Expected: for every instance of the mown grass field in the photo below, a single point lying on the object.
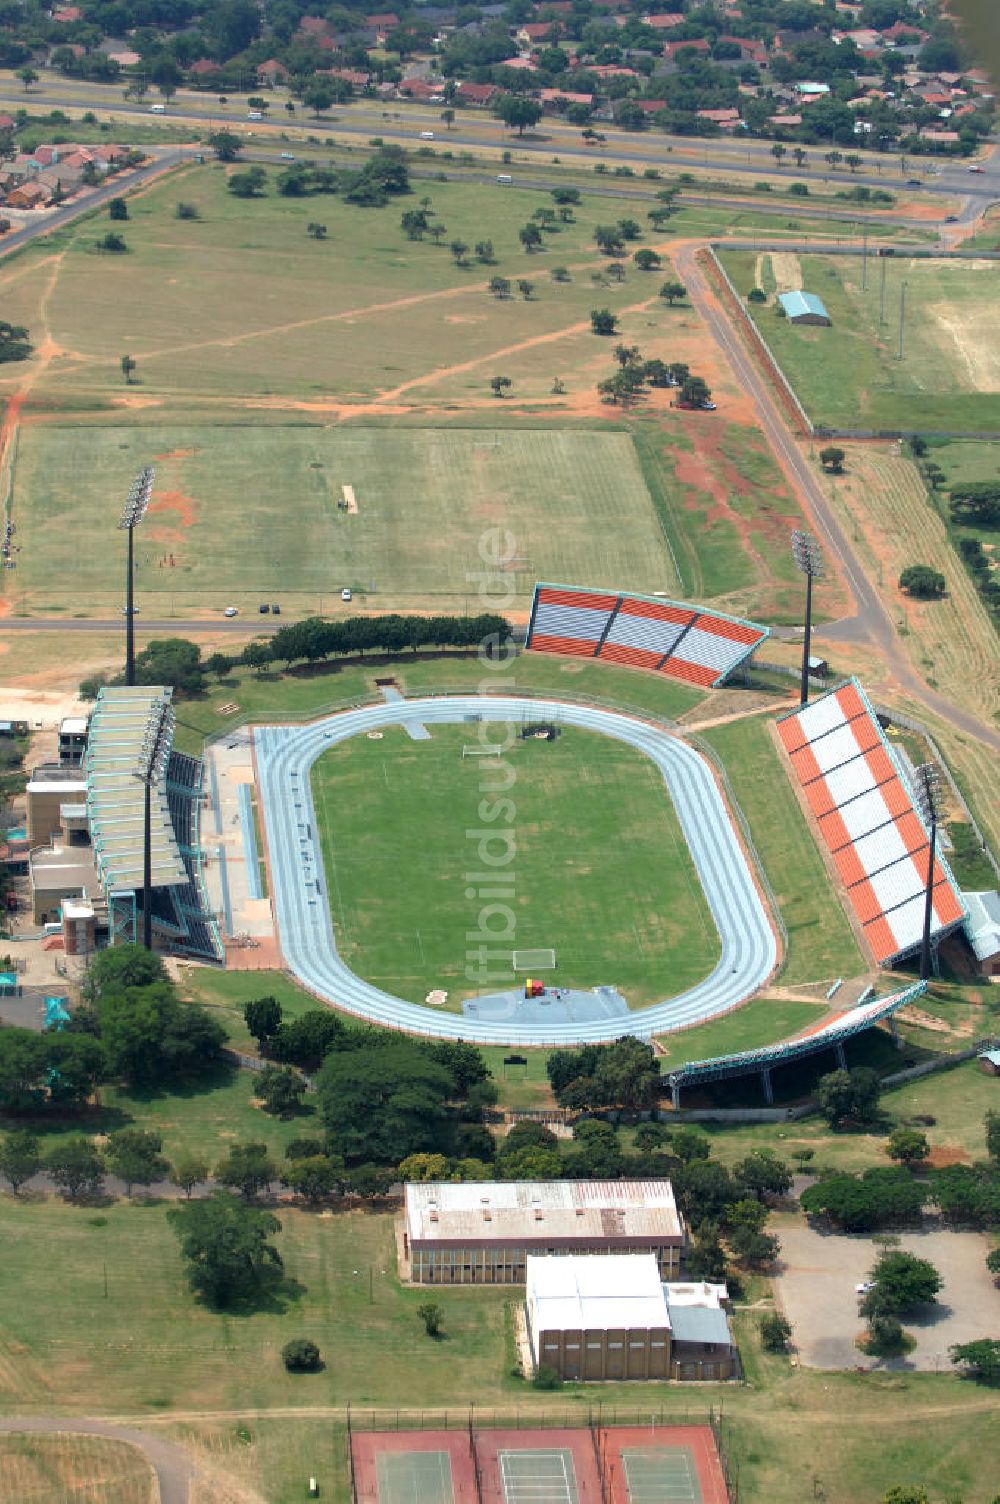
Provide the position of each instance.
(821, 944)
(69, 1468)
(601, 871)
(251, 513)
(848, 375)
(305, 693)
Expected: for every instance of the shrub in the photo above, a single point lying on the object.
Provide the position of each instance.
(301, 1356)
(546, 1377)
(775, 1332)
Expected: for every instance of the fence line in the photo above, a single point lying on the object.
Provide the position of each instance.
(498, 1418)
(761, 345)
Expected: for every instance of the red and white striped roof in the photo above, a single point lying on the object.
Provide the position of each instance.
(684, 641)
(865, 815)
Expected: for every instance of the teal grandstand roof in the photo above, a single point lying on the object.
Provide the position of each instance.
(115, 795)
(796, 304)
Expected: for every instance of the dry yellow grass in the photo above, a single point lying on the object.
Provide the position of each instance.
(952, 642)
(67, 1468)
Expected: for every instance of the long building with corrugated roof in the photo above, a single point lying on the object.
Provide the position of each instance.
(481, 1233)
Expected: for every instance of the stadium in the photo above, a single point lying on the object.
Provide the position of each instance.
(854, 792)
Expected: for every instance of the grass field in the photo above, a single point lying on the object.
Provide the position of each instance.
(305, 693)
(69, 1468)
(848, 375)
(821, 944)
(251, 513)
(148, 1348)
(602, 872)
(247, 304)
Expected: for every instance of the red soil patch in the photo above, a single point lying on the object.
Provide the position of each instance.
(174, 501)
(943, 1155)
(707, 470)
(176, 454)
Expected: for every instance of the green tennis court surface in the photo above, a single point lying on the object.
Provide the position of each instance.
(661, 1475)
(546, 1477)
(414, 1478)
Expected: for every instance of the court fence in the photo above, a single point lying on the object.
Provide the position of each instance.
(596, 1415)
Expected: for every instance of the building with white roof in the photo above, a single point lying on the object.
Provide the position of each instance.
(483, 1232)
(982, 928)
(598, 1318)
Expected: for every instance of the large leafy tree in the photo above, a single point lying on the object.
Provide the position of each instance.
(133, 1154)
(385, 1104)
(226, 1246)
(147, 1033)
(248, 1168)
(901, 1282)
(20, 1158)
(14, 343)
(77, 1167)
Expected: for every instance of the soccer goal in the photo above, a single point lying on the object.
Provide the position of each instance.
(534, 960)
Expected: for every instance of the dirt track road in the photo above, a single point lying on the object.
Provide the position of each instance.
(871, 622)
(174, 1471)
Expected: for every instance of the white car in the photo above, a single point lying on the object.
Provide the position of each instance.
(288, 156)
(427, 135)
(231, 611)
(345, 594)
(864, 1287)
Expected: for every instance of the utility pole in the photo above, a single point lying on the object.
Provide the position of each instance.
(809, 560)
(928, 804)
(902, 317)
(133, 511)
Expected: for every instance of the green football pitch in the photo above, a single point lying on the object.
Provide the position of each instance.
(242, 514)
(601, 871)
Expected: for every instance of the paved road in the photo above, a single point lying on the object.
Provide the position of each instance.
(478, 129)
(173, 626)
(163, 161)
(173, 1468)
(285, 755)
(871, 622)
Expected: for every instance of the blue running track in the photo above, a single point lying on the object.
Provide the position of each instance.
(285, 755)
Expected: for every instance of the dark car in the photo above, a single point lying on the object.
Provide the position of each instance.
(275, 609)
(914, 183)
(263, 608)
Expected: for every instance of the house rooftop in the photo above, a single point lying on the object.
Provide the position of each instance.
(554, 1212)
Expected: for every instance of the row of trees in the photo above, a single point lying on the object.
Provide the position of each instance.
(316, 638)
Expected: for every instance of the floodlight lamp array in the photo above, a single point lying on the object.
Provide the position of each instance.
(807, 554)
(155, 750)
(137, 500)
(928, 792)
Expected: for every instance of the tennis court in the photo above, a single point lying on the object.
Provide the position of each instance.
(659, 1464)
(538, 1477)
(414, 1478)
(660, 1475)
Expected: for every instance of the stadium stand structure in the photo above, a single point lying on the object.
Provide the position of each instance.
(831, 1034)
(671, 637)
(860, 796)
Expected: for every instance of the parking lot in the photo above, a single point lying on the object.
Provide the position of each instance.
(816, 1290)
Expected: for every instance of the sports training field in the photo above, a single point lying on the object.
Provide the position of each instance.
(242, 514)
(602, 873)
(849, 375)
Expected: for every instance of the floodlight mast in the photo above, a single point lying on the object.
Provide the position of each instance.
(808, 559)
(149, 770)
(133, 511)
(928, 801)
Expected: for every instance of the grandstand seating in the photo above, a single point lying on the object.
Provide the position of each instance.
(683, 641)
(196, 931)
(865, 814)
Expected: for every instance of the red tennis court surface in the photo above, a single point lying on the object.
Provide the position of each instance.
(613, 1465)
